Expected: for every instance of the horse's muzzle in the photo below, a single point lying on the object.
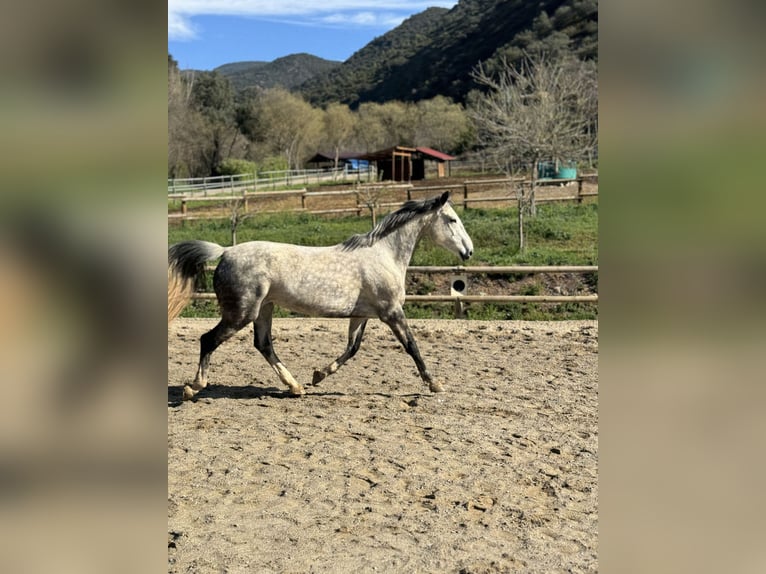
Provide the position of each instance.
(466, 255)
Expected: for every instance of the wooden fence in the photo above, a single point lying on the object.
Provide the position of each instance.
(467, 193)
(460, 300)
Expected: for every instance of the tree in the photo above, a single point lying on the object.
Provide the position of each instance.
(201, 128)
(540, 109)
(238, 214)
(386, 125)
(338, 128)
(441, 124)
(369, 133)
(213, 98)
(184, 124)
(282, 123)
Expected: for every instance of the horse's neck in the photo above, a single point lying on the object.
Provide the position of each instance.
(403, 241)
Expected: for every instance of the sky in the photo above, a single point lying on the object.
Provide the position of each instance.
(204, 34)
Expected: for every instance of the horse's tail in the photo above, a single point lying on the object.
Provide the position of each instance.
(186, 262)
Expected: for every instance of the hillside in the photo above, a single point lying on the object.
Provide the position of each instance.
(434, 52)
(371, 66)
(431, 53)
(288, 71)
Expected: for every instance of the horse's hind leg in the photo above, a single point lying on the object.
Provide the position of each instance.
(209, 342)
(398, 324)
(264, 344)
(355, 334)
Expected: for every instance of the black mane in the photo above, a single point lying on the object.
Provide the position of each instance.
(406, 213)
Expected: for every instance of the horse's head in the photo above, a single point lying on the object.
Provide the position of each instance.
(446, 230)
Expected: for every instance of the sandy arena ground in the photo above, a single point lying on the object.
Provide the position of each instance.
(370, 472)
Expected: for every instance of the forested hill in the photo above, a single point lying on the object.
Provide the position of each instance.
(434, 52)
(371, 66)
(288, 72)
(431, 53)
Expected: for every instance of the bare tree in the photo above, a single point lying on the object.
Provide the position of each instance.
(238, 214)
(370, 196)
(338, 127)
(540, 109)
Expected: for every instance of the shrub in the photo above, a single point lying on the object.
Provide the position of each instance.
(233, 166)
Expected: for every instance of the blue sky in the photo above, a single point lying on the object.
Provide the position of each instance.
(204, 34)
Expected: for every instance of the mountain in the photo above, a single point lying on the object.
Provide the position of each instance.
(431, 53)
(434, 52)
(372, 65)
(289, 72)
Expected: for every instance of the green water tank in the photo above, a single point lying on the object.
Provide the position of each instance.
(568, 172)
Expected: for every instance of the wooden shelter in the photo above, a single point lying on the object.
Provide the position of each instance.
(325, 159)
(401, 163)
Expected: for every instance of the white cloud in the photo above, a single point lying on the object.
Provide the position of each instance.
(180, 28)
(346, 13)
(383, 19)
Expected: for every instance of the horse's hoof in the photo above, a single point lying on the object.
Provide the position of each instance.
(436, 387)
(188, 393)
(319, 376)
(297, 391)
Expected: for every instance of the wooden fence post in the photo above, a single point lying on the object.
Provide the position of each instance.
(521, 219)
(465, 195)
(579, 190)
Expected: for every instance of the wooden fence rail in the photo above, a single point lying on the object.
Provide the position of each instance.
(366, 203)
(459, 300)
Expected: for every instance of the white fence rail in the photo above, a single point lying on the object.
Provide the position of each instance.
(209, 186)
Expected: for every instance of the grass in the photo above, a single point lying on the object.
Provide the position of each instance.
(561, 234)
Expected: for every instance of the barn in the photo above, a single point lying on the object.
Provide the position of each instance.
(326, 159)
(401, 163)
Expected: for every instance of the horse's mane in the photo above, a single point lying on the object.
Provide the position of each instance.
(393, 221)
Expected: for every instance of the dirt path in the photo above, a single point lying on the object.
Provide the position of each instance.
(372, 473)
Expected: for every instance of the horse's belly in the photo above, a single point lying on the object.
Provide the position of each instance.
(324, 299)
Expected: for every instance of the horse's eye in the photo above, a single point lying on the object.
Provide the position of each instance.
(452, 220)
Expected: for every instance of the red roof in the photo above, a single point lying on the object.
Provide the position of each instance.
(386, 154)
(435, 154)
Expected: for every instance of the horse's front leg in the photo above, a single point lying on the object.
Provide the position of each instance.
(355, 333)
(398, 324)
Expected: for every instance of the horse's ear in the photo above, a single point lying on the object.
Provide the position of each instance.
(444, 198)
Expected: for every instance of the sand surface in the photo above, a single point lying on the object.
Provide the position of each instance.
(370, 472)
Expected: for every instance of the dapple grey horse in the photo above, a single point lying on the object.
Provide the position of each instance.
(361, 278)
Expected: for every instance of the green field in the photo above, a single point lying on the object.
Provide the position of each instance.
(561, 234)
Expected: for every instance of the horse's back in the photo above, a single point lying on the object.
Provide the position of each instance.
(322, 281)
(256, 261)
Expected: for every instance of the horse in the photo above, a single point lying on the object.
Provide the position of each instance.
(360, 278)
